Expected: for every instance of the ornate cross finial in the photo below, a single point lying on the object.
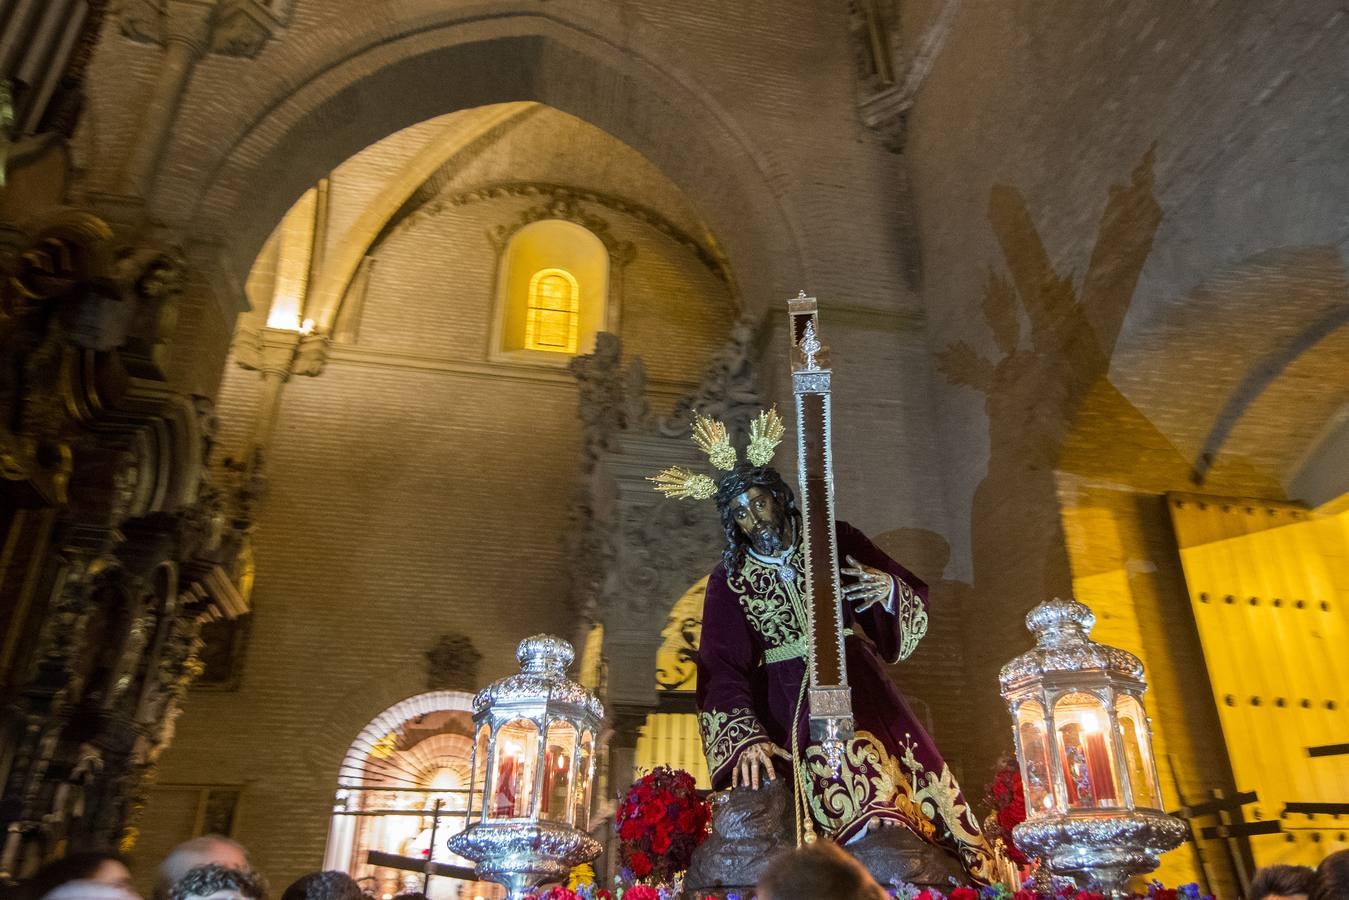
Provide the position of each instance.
(810, 345)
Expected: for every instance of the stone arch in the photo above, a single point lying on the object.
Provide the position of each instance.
(350, 96)
(394, 717)
(370, 763)
(1259, 345)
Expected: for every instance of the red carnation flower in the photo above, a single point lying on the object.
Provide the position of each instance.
(963, 893)
(630, 830)
(640, 863)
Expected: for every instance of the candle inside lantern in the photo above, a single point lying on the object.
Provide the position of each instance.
(1099, 769)
(1087, 768)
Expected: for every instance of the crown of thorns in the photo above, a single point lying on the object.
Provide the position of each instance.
(712, 437)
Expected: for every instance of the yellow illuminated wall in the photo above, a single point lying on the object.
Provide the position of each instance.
(554, 292)
(671, 738)
(1107, 541)
(1269, 587)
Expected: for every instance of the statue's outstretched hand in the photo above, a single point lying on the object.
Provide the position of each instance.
(872, 586)
(755, 766)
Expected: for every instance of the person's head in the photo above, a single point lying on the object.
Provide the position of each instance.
(209, 849)
(757, 510)
(216, 882)
(330, 885)
(1332, 877)
(1278, 882)
(818, 871)
(89, 868)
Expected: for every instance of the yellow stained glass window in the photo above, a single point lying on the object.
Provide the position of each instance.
(553, 316)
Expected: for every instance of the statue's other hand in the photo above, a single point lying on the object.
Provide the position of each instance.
(871, 586)
(754, 766)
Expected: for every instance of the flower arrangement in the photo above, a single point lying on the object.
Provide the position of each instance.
(660, 822)
(1062, 891)
(1008, 800)
(900, 891)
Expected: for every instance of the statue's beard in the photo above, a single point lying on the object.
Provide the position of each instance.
(767, 539)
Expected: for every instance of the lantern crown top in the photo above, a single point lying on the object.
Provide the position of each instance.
(540, 684)
(1059, 622)
(545, 654)
(1064, 650)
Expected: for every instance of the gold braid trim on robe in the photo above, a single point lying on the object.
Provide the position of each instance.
(873, 785)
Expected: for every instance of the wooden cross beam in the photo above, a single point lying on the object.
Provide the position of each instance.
(829, 698)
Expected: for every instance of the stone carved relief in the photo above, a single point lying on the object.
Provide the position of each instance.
(612, 398)
(452, 663)
(666, 547)
(633, 554)
(729, 390)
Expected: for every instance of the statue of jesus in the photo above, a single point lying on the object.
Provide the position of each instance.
(752, 666)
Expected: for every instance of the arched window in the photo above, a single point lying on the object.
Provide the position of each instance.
(552, 320)
(553, 293)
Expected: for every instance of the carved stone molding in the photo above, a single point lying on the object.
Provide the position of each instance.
(281, 352)
(887, 78)
(566, 207)
(562, 201)
(237, 28)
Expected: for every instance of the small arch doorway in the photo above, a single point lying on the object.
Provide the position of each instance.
(403, 790)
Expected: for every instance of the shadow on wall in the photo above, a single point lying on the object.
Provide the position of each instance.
(933, 679)
(1031, 396)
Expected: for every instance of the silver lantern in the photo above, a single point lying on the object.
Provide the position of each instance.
(1093, 807)
(533, 767)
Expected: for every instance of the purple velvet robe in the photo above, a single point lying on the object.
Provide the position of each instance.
(751, 669)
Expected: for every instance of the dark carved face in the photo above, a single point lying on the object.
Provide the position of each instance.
(761, 520)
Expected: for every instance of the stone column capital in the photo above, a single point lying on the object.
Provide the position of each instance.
(281, 352)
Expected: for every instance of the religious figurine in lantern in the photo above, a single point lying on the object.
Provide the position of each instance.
(1093, 807)
(533, 766)
(752, 662)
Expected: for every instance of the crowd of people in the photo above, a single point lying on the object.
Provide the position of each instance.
(204, 868)
(217, 868)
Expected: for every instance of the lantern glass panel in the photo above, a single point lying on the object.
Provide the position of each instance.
(517, 749)
(480, 762)
(1133, 727)
(559, 755)
(1086, 752)
(1037, 778)
(581, 792)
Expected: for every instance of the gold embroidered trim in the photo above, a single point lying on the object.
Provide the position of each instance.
(775, 609)
(726, 734)
(873, 784)
(912, 620)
